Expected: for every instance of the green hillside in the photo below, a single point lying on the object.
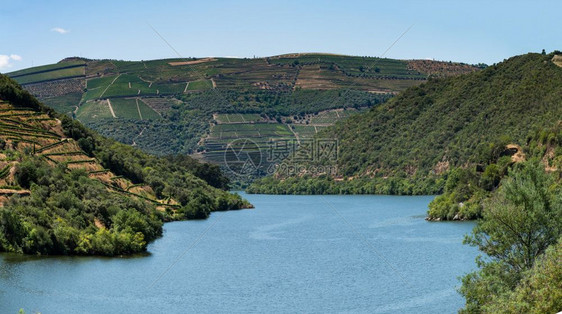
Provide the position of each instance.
(64, 70)
(67, 190)
(169, 106)
(412, 143)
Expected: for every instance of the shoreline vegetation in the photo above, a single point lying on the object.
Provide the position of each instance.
(520, 236)
(84, 194)
(456, 137)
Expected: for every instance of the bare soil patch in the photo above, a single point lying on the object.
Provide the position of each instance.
(557, 59)
(177, 63)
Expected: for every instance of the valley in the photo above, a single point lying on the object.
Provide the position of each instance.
(178, 106)
(280, 157)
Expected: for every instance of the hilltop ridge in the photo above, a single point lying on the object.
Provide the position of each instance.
(187, 105)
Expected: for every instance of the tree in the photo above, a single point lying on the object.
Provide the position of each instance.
(26, 173)
(199, 206)
(520, 221)
(540, 291)
(491, 177)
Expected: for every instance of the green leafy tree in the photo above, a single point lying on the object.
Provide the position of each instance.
(519, 223)
(199, 206)
(540, 291)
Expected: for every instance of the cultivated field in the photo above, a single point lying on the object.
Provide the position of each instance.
(201, 105)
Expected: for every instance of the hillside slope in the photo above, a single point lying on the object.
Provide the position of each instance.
(199, 106)
(409, 144)
(66, 190)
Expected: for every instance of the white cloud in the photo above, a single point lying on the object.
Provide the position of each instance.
(59, 30)
(5, 60)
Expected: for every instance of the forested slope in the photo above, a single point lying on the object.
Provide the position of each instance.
(67, 190)
(410, 144)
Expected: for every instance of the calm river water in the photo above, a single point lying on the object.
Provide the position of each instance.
(305, 254)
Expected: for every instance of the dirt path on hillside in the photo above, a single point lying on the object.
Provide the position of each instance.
(185, 89)
(295, 134)
(214, 84)
(138, 109)
(105, 90)
(111, 108)
(11, 192)
(139, 135)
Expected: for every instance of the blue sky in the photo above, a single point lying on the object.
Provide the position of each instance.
(42, 32)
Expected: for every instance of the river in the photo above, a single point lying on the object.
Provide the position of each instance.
(306, 254)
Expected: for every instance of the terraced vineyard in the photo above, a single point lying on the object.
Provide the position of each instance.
(35, 133)
(128, 108)
(111, 78)
(267, 139)
(199, 106)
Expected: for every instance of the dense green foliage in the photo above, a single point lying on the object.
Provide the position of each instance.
(440, 125)
(307, 185)
(520, 221)
(539, 291)
(466, 188)
(68, 212)
(12, 92)
(277, 104)
(59, 216)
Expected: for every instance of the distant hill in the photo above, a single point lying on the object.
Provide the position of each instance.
(199, 106)
(414, 142)
(67, 190)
